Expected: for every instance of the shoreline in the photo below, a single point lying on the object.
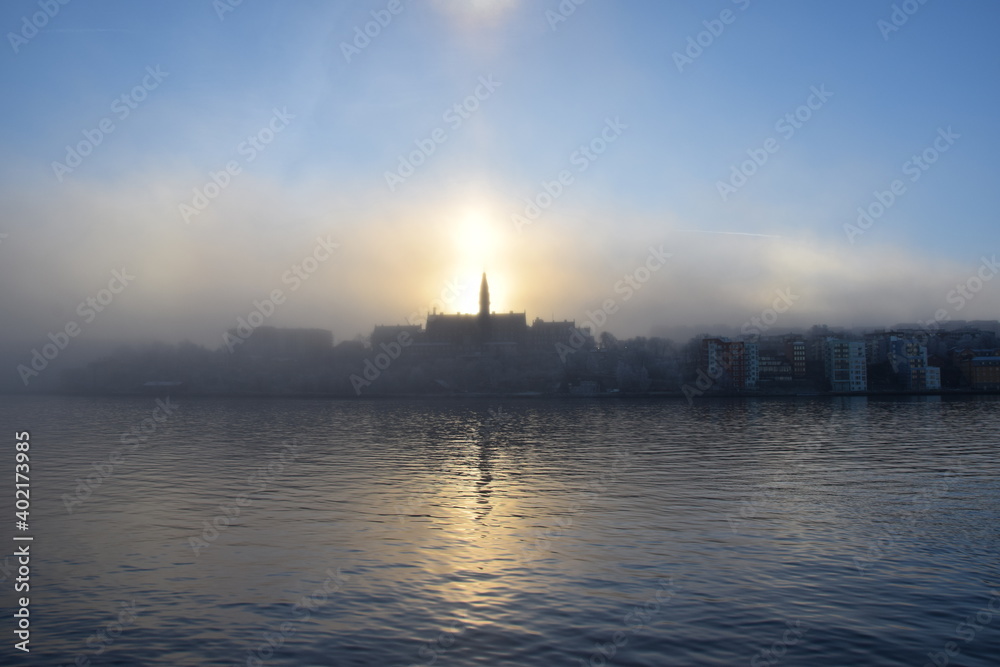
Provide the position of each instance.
(959, 393)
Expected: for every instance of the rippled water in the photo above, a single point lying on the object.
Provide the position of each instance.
(532, 532)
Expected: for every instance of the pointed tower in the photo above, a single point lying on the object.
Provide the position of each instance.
(484, 310)
(484, 297)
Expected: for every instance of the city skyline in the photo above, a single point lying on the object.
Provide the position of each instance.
(364, 176)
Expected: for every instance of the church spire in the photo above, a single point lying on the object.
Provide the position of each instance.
(484, 298)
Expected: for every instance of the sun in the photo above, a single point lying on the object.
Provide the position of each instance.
(478, 247)
(475, 236)
(477, 11)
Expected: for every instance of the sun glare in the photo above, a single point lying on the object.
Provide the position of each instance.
(476, 10)
(478, 248)
(475, 237)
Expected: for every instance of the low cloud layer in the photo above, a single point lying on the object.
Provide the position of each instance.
(193, 280)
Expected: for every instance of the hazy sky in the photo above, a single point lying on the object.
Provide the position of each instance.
(117, 113)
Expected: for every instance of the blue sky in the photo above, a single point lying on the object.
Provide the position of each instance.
(658, 182)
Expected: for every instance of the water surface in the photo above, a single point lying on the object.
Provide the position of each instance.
(531, 532)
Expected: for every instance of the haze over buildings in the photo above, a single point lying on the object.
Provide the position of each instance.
(797, 149)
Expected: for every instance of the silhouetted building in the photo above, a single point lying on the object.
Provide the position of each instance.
(774, 368)
(973, 364)
(846, 369)
(734, 364)
(932, 376)
(908, 358)
(877, 346)
(484, 311)
(795, 352)
(985, 373)
(469, 333)
(388, 334)
(274, 343)
(483, 351)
